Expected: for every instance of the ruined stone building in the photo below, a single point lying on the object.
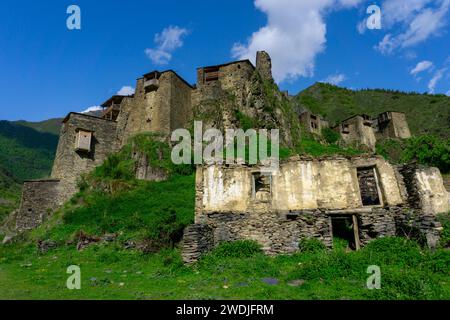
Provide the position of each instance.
(313, 123)
(361, 130)
(358, 130)
(305, 198)
(310, 198)
(391, 124)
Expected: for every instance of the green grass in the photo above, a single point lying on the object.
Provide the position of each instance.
(145, 211)
(110, 272)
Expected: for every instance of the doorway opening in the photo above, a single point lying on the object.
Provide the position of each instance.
(345, 232)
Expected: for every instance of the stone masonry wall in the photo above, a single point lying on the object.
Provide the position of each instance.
(39, 200)
(305, 194)
(69, 164)
(160, 111)
(359, 133)
(396, 127)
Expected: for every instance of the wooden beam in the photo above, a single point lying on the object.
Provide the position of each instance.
(356, 232)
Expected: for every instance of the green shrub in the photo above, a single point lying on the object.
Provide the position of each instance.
(428, 150)
(330, 135)
(394, 250)
(116, 167)
(444, 218)
(311, 245)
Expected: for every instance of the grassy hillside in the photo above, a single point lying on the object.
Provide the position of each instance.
(26, 152)
(47, 126)
(426, 114)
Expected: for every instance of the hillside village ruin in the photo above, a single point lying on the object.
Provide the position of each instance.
(306, 198)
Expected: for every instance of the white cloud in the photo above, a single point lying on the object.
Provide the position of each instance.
(436, 78)
(170, 39)
(294, 34)
(416, 20)
(335, 79)
(447, 93)
(92, 109)
(421, 66)
(126, 91)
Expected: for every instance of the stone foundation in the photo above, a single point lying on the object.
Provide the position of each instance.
(197, 240)
(280, 233)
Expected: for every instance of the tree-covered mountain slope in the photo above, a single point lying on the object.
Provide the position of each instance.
(25, 152)
(425, 113)
(47, 126)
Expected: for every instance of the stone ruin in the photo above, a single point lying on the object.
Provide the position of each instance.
(361, 130)
(309, 198)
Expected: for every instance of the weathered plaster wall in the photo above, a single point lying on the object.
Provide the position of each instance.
(300, 184)
(306, 195)
(434, 198)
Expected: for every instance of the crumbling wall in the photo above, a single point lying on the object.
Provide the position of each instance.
(394, 127)
(376, 223)
(306, 193)
(301, 183)
(144, 169)
(197, 240)
(39, 200)
(264, 65)
(359, 133)
(426, 190)
(307, 121)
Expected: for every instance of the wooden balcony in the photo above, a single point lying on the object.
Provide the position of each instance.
(151, 84)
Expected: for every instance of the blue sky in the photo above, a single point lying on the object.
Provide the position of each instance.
(47, 70)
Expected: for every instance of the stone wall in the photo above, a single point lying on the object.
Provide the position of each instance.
(426, 190)
(39, 200)
(392, 125)
(307, 119)
(264, 65)
(302, 183)
(69, 163)
(303, 198)
(197, 240)
(160, 111)
(358, 132)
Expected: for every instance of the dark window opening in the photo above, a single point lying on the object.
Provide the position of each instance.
(345, 232)
(368, 186)
(345, 128)
(262, 184)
